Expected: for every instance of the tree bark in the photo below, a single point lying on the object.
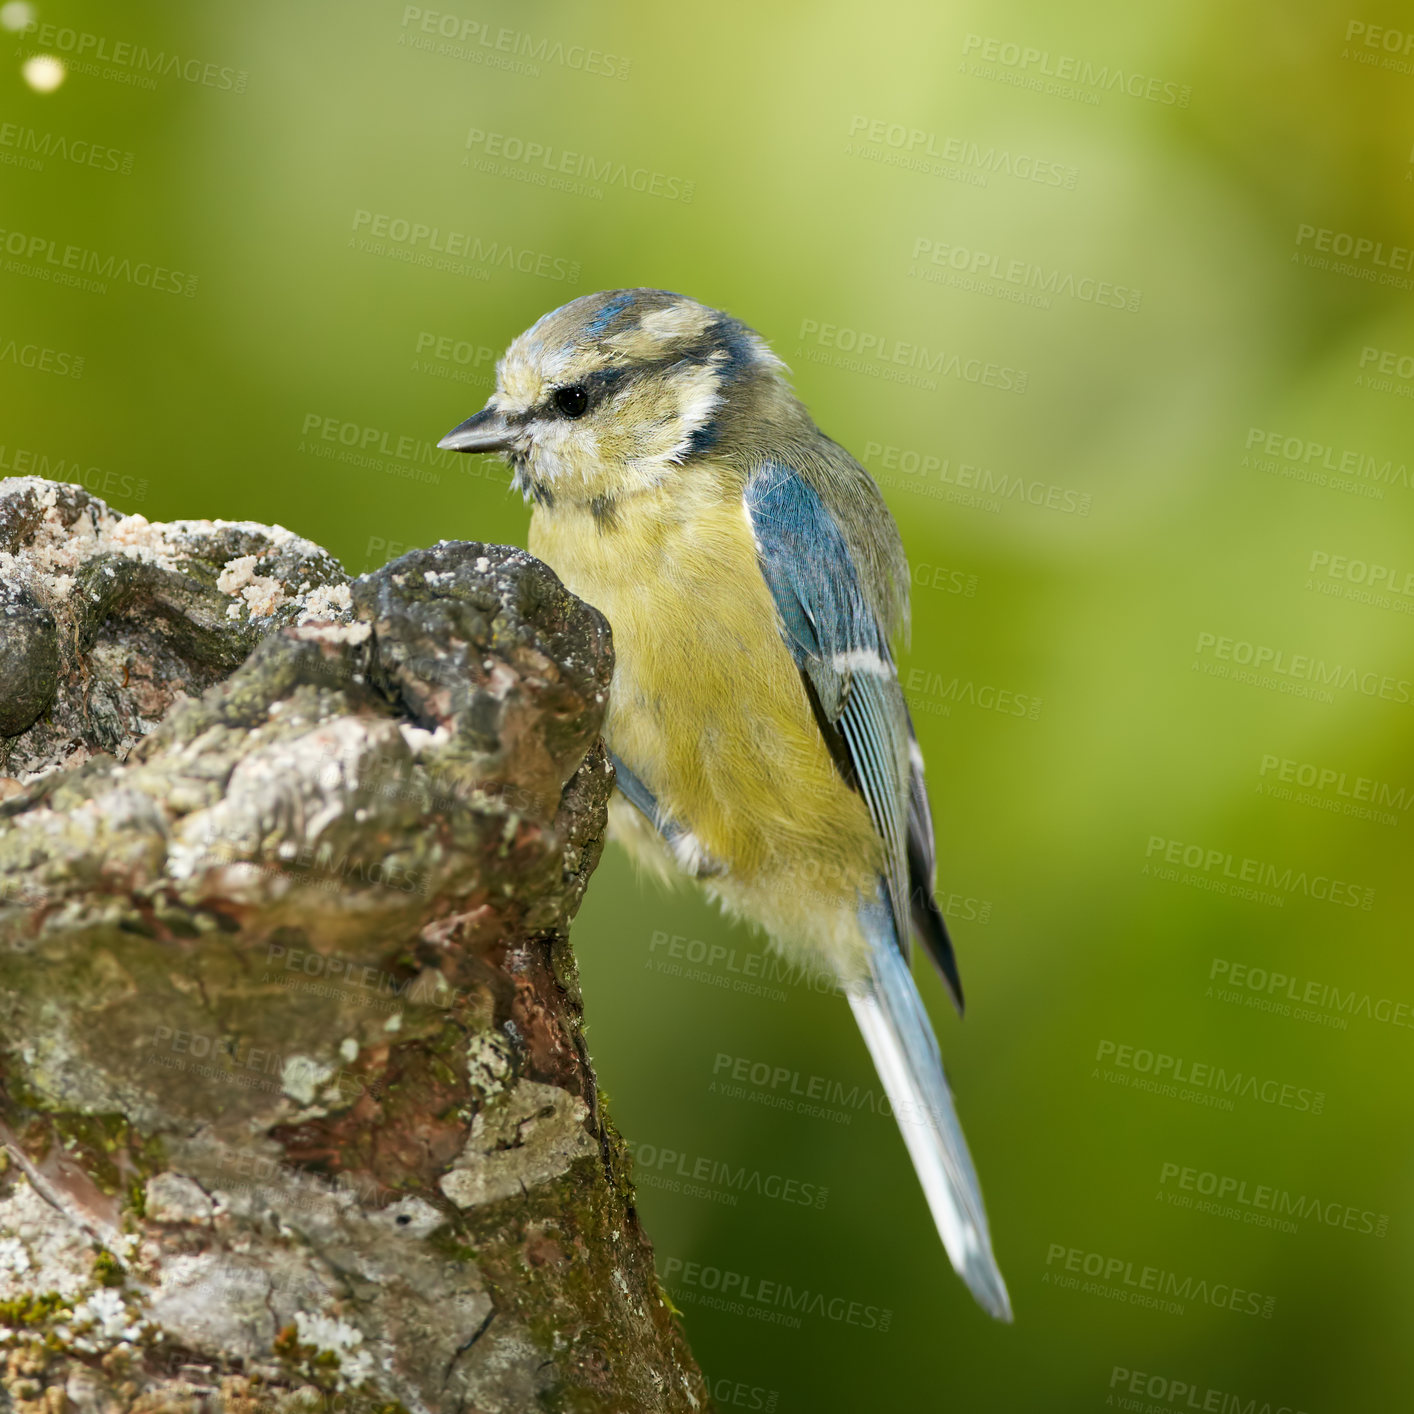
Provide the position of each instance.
(296, 1109)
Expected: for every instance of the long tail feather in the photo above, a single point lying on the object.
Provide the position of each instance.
(900, 1038)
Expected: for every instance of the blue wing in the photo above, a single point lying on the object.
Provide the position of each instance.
(844, 659)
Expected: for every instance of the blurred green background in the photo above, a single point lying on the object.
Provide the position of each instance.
(1180, 238)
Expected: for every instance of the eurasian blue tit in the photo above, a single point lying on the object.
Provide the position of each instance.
(754, 581)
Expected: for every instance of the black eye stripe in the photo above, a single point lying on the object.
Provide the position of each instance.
(600, 384)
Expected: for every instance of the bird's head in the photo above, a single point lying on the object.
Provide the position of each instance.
(612, 393)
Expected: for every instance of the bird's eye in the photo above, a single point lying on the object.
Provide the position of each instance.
(572, 401)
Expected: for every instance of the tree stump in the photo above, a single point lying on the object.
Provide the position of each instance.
(296, 1110)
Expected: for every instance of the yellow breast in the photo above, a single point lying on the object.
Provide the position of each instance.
(706, 706)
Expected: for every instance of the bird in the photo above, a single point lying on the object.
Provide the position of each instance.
(754, 582)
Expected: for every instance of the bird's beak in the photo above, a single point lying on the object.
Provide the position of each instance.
(487, 431)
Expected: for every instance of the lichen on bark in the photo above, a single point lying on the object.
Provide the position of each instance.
(295, 1105)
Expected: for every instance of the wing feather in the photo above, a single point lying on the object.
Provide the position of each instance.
(842, 652)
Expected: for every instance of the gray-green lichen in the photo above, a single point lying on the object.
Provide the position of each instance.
(519, 1140)
(295, 1109)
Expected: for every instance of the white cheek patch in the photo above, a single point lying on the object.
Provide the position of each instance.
(662, 437)
(699, 396)
(697, 392)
